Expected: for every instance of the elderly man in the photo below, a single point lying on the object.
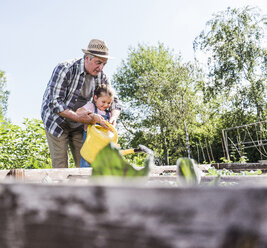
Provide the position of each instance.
(72, 85)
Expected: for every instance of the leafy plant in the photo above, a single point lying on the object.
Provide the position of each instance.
(187, 171)
(243, 159)
(24, 147)
(224, 172)
(109, 162)
(225, 160)
(136, 159)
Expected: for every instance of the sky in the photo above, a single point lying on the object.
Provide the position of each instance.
(36, 35)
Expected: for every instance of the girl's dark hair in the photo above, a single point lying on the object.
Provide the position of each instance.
(105, 89)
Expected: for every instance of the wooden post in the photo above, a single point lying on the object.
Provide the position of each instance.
(224, 134)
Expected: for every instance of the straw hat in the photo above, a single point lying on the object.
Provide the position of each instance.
(97, 48)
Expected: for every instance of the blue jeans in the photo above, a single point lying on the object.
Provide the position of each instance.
(84, 163)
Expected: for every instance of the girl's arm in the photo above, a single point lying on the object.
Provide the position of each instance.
(114, 115)
(95, 117)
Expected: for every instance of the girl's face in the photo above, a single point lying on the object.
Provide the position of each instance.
(103, 102)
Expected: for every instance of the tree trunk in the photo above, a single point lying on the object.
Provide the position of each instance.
(187, 141)
(165, 148)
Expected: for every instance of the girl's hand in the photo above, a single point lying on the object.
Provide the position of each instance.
(102, 122)
(113, 121)
(115, 113)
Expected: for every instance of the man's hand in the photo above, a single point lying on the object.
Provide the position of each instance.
(85, 116)
(81, 115)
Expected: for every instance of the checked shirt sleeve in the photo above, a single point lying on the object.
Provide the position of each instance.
(61, 93)
(58, 89)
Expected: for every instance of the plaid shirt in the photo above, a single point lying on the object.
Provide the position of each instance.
(62, 92)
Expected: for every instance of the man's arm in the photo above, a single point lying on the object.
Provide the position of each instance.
(82, 115)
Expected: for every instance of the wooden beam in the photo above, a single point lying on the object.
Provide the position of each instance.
(240, 166)
(131, 215)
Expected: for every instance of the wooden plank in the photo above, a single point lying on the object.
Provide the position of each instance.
(3, 174)
(159, 170)
(43, 175)
(131, 215)
(82, 176)
(57, 175)
(61, 175)
(236, 167)
(240, 166)
(240, 180)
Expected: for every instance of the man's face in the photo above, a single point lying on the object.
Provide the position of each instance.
(95, 65)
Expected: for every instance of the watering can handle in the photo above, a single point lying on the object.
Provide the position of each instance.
(112, 129)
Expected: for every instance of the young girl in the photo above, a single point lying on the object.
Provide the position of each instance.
(103, 98)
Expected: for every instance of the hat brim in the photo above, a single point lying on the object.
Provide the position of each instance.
(97, 55)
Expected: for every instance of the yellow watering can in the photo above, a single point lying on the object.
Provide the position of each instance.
(97, 138)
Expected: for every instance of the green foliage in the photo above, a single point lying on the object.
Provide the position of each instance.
(109, 162)
(140, 61)
(224, 172)
(243, 159)
(225, 160)
(136, 159)
(236, 61)
(169, 106)
(160, 93)
(3, 95)
(24, 147)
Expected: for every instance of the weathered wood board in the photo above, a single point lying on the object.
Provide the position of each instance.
(82, 176)
(241, 166)
(39, 175)
(59, 175)
(133, 216)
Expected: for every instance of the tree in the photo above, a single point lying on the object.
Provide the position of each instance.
(236, 62)
(161, 100)
(3, 95)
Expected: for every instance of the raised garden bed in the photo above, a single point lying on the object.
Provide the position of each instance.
(68, 208)
(241, 166)
(129, 214)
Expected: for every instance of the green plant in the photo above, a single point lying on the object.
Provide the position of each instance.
(137, 159)
(243, 159)
(109, 162)
(187, 171)
(24, 147)
(214, 172)
(225, 160)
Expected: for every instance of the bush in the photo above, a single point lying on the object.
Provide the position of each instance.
(24, 147)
